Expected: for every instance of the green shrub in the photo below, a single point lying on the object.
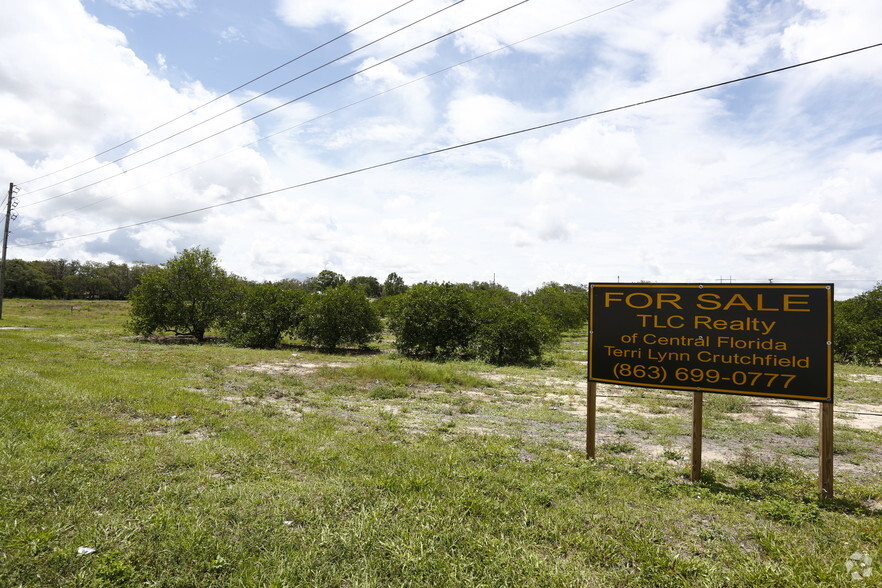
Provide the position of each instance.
(434, 319)
(512, 333)
(566, 307)
(187, 296)
(262, 315)
(339, 315)
(386, 305)
(858, 328)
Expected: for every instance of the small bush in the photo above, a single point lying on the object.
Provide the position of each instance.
(384, 392)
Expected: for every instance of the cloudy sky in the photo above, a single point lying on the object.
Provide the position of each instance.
(117, 116)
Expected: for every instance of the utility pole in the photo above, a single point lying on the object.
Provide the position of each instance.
(9, 207)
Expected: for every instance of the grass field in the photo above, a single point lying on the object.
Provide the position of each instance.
(133, 463)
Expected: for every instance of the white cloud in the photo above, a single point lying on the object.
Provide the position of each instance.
(479, 116)
(829, 27)
(157, 7)
(232, 34)
(590, 149)
(804, 226)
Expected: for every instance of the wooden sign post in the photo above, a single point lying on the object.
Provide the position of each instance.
(825, 452)
(697, 415)
(591, 418)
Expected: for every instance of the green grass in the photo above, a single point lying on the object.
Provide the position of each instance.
(182, 466)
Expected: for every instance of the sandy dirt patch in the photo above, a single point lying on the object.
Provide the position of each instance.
(292, 368)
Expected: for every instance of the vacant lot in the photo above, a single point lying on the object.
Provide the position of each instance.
(127, 462)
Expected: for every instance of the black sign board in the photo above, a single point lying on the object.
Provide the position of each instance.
(771, 340)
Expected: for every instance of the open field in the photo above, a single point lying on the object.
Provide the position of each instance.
(186, 465)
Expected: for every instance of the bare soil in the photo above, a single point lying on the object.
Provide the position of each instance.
(652, 423)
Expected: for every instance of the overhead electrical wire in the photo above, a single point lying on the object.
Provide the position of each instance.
(280, 106)
(351, 104)
(255, 117)
(224, 95)
(240, 105)
(271, 110)
(463, 145)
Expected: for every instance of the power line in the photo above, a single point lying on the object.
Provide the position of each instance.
(213, 100)
(336, 110)
(463, 145)
(271, 110)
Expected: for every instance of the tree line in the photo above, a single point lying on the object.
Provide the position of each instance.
(72, 280)
(62, 279)
(191, 294)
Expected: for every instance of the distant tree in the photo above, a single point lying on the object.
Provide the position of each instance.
(24, 280)
(293, 284)
(186, 296)
(434, 319)
(393, 285)
(580, 295)
(76, 286)
(58, 269)
(369, 284)
(858, 328)
(136, 272)
(102, 288)
(324, 281)
(120, 277)
(340, 315)
(262, 314)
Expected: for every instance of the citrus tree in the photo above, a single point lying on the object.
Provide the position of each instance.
(188, 295)
(433, 319)
(858, 328)
(262, 314)
(340, 315)
(509, 331)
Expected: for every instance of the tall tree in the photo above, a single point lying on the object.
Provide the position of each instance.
(393, 285)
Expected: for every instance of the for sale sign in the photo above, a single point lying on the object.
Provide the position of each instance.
(757, 339)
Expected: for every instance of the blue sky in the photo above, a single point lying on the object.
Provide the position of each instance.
(777, 178)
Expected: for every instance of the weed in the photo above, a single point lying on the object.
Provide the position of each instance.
(790, 511)
(386, 392)
(618, 447)
(673, 454)
(803, 429)
(725, 404)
